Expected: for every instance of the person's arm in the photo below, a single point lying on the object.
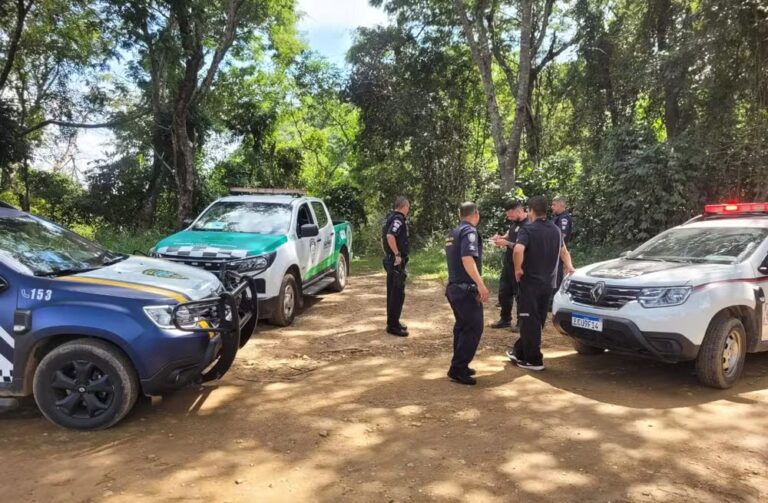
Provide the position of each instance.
(392, 242)
(471, 267)
(518, 256)
(565, 256)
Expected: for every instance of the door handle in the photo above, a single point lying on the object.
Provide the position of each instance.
(319, 239)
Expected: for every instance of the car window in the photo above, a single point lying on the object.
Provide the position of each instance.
(47, 249)
(304, 217)
(702, 244)
(322, 216)
(245, 217)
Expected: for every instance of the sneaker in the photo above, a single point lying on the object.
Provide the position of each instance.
(397, 332)
(462, 378)
(501, 324)
(512, 357)
(530, 366)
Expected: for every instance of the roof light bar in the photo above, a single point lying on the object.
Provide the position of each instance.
(726, 209)
(242, 191)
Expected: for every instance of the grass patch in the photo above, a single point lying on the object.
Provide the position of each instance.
(128, 242)
(429, 263)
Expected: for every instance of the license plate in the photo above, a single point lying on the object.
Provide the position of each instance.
(589, 322)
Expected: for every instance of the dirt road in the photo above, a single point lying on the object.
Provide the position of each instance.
(332, 409)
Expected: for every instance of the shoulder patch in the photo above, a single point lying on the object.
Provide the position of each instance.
(472, 237)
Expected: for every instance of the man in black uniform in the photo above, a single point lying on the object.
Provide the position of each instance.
(539, 246)
(517, 217)
(466, 291)
(563, 220)
(394, 239)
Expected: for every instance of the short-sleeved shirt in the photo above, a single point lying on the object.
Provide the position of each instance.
(542, 241)
(564, 222)
(463, 241)
(514, 229)
(395, 224)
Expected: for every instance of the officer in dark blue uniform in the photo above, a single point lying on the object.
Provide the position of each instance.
(563, 220)
(538, 249)
(394, 240)
(466, 291)
(517, 217)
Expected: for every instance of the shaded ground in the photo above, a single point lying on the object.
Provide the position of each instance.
(332, 409)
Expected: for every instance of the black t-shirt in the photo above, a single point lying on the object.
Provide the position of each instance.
(463, 241)
(395, 225)
(564, 222)
(514, 229)
(542, 241)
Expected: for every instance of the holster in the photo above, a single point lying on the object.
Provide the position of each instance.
(399, 272)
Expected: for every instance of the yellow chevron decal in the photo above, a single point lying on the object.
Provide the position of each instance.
(131, 286)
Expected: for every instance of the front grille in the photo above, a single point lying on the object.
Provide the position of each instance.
(215, 266)
(614, 297)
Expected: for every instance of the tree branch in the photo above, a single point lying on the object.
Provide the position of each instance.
(81, 125)
(224, 46)
(13, 47)
(544, 25)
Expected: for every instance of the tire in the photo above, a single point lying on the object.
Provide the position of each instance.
(340, 276)
(62, 379)
(288, 302)
(721, 357)
(586, 349)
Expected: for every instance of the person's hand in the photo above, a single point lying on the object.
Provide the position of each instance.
(398, 260)
(501, 243)
(568, 269)
(518, 275)
(484, 293)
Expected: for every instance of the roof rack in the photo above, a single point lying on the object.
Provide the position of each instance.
(243, 191)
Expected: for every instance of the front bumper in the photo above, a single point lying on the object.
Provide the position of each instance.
(623, 336)
(217, 335)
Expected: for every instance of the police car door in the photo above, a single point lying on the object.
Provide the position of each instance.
(7, 310)
(325, 238)
(306, 247)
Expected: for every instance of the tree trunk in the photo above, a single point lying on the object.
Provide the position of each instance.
(184, 154)
(25, 183)
(478, 42)
(509, 172)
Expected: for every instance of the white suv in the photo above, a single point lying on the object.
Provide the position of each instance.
(694, 292)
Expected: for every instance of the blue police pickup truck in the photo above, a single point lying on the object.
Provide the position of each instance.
(86, 330)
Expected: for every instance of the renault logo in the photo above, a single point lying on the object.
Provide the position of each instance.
(597, 292)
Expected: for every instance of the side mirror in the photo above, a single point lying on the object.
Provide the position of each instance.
(308, 231)
(187, 222)
(3, 285)
(625, 253)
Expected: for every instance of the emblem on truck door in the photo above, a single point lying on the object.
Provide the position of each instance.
(597, 292)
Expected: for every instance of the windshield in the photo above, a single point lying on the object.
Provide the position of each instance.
(238, 216)
(702, 244)
(47, 249)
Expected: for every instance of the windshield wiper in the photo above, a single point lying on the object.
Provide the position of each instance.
(115, 260)
(65, 272)
(649, 259)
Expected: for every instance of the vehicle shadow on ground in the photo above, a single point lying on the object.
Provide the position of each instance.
(638, 383)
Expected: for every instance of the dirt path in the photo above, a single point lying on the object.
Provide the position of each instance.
(332, 409)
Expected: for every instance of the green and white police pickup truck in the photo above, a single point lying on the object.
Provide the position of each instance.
(282, 238)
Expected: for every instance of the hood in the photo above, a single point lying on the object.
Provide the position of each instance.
(190, 282)
(653, 273)
(208, 244)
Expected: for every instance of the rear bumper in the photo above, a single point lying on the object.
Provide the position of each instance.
(623, 336)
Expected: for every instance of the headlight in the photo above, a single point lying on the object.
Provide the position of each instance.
(162, 316)
(664, 297)
(252, 264)
(565, 284)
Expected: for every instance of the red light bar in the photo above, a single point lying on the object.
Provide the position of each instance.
(722, 209)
